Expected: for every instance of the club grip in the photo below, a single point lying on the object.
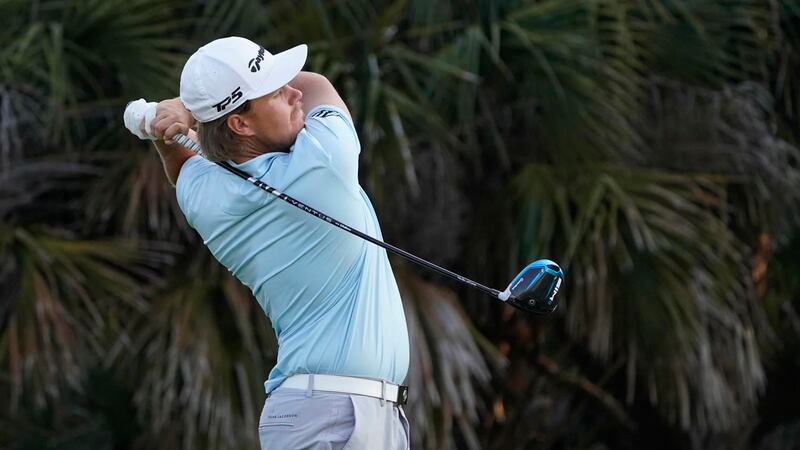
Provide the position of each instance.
(188, 143)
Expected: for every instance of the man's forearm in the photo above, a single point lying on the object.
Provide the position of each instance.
(173, 156)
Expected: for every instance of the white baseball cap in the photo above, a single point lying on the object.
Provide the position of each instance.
(222, 74)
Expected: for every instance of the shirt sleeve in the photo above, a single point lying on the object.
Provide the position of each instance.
(337, 137)
(188, 187)
(205, 189)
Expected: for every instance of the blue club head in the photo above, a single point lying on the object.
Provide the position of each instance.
(536, 288)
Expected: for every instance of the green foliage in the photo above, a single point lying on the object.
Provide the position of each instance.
(650, 146)
(205, 341)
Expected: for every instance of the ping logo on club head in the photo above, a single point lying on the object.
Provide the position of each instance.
(555, 290)
(255, 63)
(233, 98)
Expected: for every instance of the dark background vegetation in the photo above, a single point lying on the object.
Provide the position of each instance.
(649, 146)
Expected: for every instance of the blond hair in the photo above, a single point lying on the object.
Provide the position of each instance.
(219, 142)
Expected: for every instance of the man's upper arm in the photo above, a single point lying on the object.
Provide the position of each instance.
(336, 138)
(188, 187)
(317, 90)
(329, 122)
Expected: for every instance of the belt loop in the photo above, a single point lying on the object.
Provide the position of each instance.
(310, 386)
(383, 392)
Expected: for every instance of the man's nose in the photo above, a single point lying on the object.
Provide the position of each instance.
(294, 95)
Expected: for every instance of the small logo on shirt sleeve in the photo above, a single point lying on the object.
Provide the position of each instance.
(325, 113)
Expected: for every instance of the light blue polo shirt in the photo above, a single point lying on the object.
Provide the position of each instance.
(331, 296)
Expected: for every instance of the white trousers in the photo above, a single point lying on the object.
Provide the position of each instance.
(330, 420)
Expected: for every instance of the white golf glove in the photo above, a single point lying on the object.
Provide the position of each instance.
(137, 111)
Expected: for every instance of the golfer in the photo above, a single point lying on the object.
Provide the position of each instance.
(333, 301)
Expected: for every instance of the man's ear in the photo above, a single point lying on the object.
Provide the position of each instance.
(239, 125)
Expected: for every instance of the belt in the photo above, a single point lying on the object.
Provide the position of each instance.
(349, 385)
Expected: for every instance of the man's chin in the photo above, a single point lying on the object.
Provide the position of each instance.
(298, 127)
(293, 139)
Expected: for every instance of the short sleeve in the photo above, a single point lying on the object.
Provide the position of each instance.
(191, 178)
(337, 137)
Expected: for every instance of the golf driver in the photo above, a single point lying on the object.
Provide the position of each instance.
(535, 289)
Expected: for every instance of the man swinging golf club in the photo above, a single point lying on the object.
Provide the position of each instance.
(332, 298)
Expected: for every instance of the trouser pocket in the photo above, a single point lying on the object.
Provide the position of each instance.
(406, 426)
(277, 419)
(291, 420)
(378, 425)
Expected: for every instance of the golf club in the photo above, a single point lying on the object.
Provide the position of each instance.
(535, 289)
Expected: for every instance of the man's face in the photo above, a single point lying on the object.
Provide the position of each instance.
(276, 118)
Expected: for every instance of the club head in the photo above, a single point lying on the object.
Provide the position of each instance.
(535, 289)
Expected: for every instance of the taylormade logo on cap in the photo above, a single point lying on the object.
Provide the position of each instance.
(221, 75)
(254, 63)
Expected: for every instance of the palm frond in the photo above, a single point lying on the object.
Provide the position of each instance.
(41, 186)
(132, 195)
(709, 43)
(583, 66)
(206, 344)
(63, 55)
(448, 368)
(654, 266)
(63, 298)
(733, 131)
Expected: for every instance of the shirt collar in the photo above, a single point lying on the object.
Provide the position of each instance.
(258, 166)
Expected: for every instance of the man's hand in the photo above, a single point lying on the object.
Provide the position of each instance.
(165, 119)
(171, 118)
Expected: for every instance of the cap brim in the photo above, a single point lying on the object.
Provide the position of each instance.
(287, 64)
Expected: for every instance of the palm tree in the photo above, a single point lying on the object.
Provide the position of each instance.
(649, 146)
